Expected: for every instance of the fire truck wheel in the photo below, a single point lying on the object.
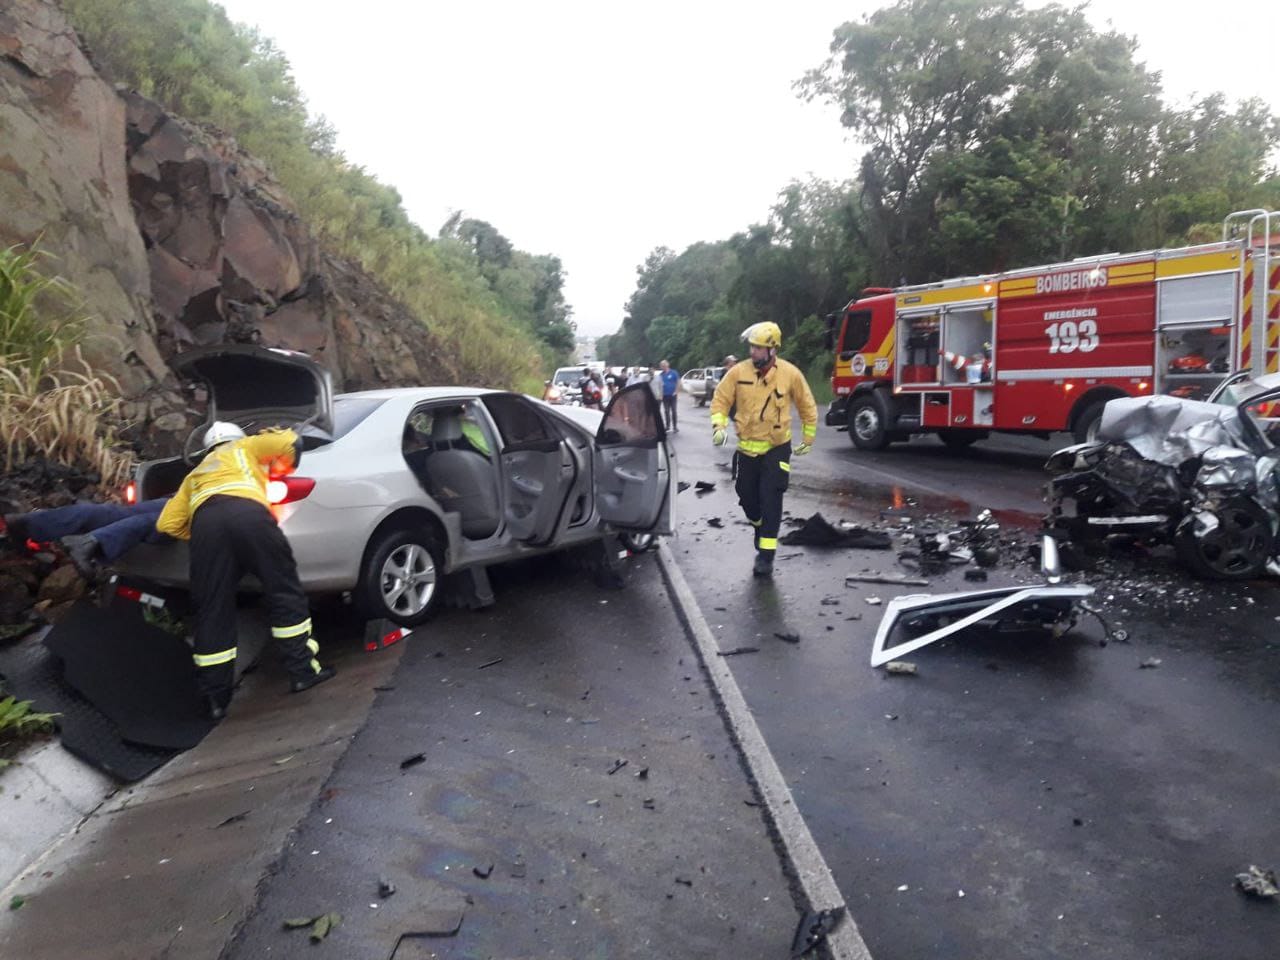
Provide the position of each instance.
(1085, 429)
(867, 427)
(1238, 548)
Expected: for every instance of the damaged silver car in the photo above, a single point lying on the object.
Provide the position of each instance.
(1200, 475)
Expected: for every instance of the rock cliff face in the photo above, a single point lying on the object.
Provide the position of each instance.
(174, 235)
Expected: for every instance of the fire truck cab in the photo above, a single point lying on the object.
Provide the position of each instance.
(1043, 349)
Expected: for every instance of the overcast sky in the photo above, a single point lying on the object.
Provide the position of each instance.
(597, 131)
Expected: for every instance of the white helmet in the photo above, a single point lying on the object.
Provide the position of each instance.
(221, 432)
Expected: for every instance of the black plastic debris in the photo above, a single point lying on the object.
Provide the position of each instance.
(483, 872)
(704, 486)
(681, 486)
(715, 522)
(891, 578)
(684, 881)
(818, 532)
(737, 650)
(976, 575)
(236, 818)
(788, 637)
(648, 803)
(385, 888)
(617, 765)
(413, 761)
(1258, 883)
(642, 773)
(490, 663)
(815, 926)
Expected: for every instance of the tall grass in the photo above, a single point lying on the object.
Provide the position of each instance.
(52, 404)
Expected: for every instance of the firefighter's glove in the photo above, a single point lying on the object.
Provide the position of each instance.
(804, 448)
(718, 436)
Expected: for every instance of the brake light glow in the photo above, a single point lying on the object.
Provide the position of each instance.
(289, 489)
(131, 492)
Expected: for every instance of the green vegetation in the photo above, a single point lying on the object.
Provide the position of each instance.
(51, 404)
(497, 313)
(997, 137)
(19, 722)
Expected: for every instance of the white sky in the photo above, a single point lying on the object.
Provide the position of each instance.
(597, 131)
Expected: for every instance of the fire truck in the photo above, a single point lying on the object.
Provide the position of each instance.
(1043, 349)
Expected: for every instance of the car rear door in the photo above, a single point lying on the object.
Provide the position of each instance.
(634, 465)
(538, 468)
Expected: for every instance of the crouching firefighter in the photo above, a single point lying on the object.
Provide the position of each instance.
(761, 392)
(222, 508)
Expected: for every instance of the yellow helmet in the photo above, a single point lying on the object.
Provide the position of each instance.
(766, 334)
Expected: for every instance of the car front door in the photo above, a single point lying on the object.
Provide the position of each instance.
(538, 468)
(634, 466)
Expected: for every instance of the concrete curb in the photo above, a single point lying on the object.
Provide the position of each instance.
(816, 880)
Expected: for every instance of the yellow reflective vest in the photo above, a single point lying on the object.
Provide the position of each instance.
(239, 468)
(762, 416)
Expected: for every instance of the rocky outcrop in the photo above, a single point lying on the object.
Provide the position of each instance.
(62, 181)
(175, 236)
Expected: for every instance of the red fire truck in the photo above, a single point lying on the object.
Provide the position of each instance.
(1044, 348)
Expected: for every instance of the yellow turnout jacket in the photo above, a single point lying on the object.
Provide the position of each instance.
(239, 468)
(763, 415)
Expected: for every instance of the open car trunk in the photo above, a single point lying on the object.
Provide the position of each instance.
(252, 387)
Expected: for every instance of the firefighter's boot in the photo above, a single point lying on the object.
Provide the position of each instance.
(306, 683)
(763, 565)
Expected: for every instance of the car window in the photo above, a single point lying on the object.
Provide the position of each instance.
(630, 419)
(349, 412)
(517, 420)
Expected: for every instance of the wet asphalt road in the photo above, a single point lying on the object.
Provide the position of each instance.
(1021, 796)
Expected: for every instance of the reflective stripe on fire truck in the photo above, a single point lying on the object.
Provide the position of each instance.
(1246, 319)
(1071, 373)
(1273, 321)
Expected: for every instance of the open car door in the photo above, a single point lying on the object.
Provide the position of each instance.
(538, 468)
(635, 469)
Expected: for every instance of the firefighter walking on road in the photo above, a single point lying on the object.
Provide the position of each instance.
(761, 392)
(222, 508)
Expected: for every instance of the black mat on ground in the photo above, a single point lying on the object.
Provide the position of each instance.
(139, 675)
(818, 532)
(32, 672)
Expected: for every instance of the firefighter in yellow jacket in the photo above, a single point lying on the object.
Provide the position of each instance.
(222, 508)
(761, 392)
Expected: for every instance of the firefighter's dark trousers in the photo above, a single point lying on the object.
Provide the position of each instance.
(232, 536)
(761, 482)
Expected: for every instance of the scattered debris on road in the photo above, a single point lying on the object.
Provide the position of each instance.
(704, 486)
(891, 578)
(814, 927)
(715, 522)
(900, 666)
(491, 663)
(817, 531)
(737, 650)
(1150, 663)
(413, 761)
(385, 888)
(320, 926)
(617, 765)
(787, 637)
(483, 872)
(235, 818)
(1258, 883)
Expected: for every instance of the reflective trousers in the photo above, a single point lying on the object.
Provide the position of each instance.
(116, 526)
(232, 536)
(761, 482)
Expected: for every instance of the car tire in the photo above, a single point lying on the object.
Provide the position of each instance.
(638, 542)
(392, 558)
(1085, 429)
(1239, 549)
(868, 422)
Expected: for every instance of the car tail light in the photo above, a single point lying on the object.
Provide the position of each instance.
(131, 492)
(289, 489)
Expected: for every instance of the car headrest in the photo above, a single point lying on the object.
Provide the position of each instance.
(446, 427)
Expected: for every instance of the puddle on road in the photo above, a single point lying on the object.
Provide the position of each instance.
(888, 501)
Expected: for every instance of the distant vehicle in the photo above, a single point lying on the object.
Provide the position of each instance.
(398, 488)
(701, 382)
(565, 379)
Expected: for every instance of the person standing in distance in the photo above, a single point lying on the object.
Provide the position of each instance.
(761, 392)
(670, 394)
(222, 508)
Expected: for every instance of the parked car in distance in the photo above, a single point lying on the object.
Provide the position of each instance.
(701, 382)
(397, 488)
(565, 379)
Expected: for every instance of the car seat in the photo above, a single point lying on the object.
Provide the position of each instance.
(461, 479)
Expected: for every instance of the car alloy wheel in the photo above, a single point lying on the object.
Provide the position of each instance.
(408, 580)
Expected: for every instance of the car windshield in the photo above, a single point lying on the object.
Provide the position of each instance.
(567, 376)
